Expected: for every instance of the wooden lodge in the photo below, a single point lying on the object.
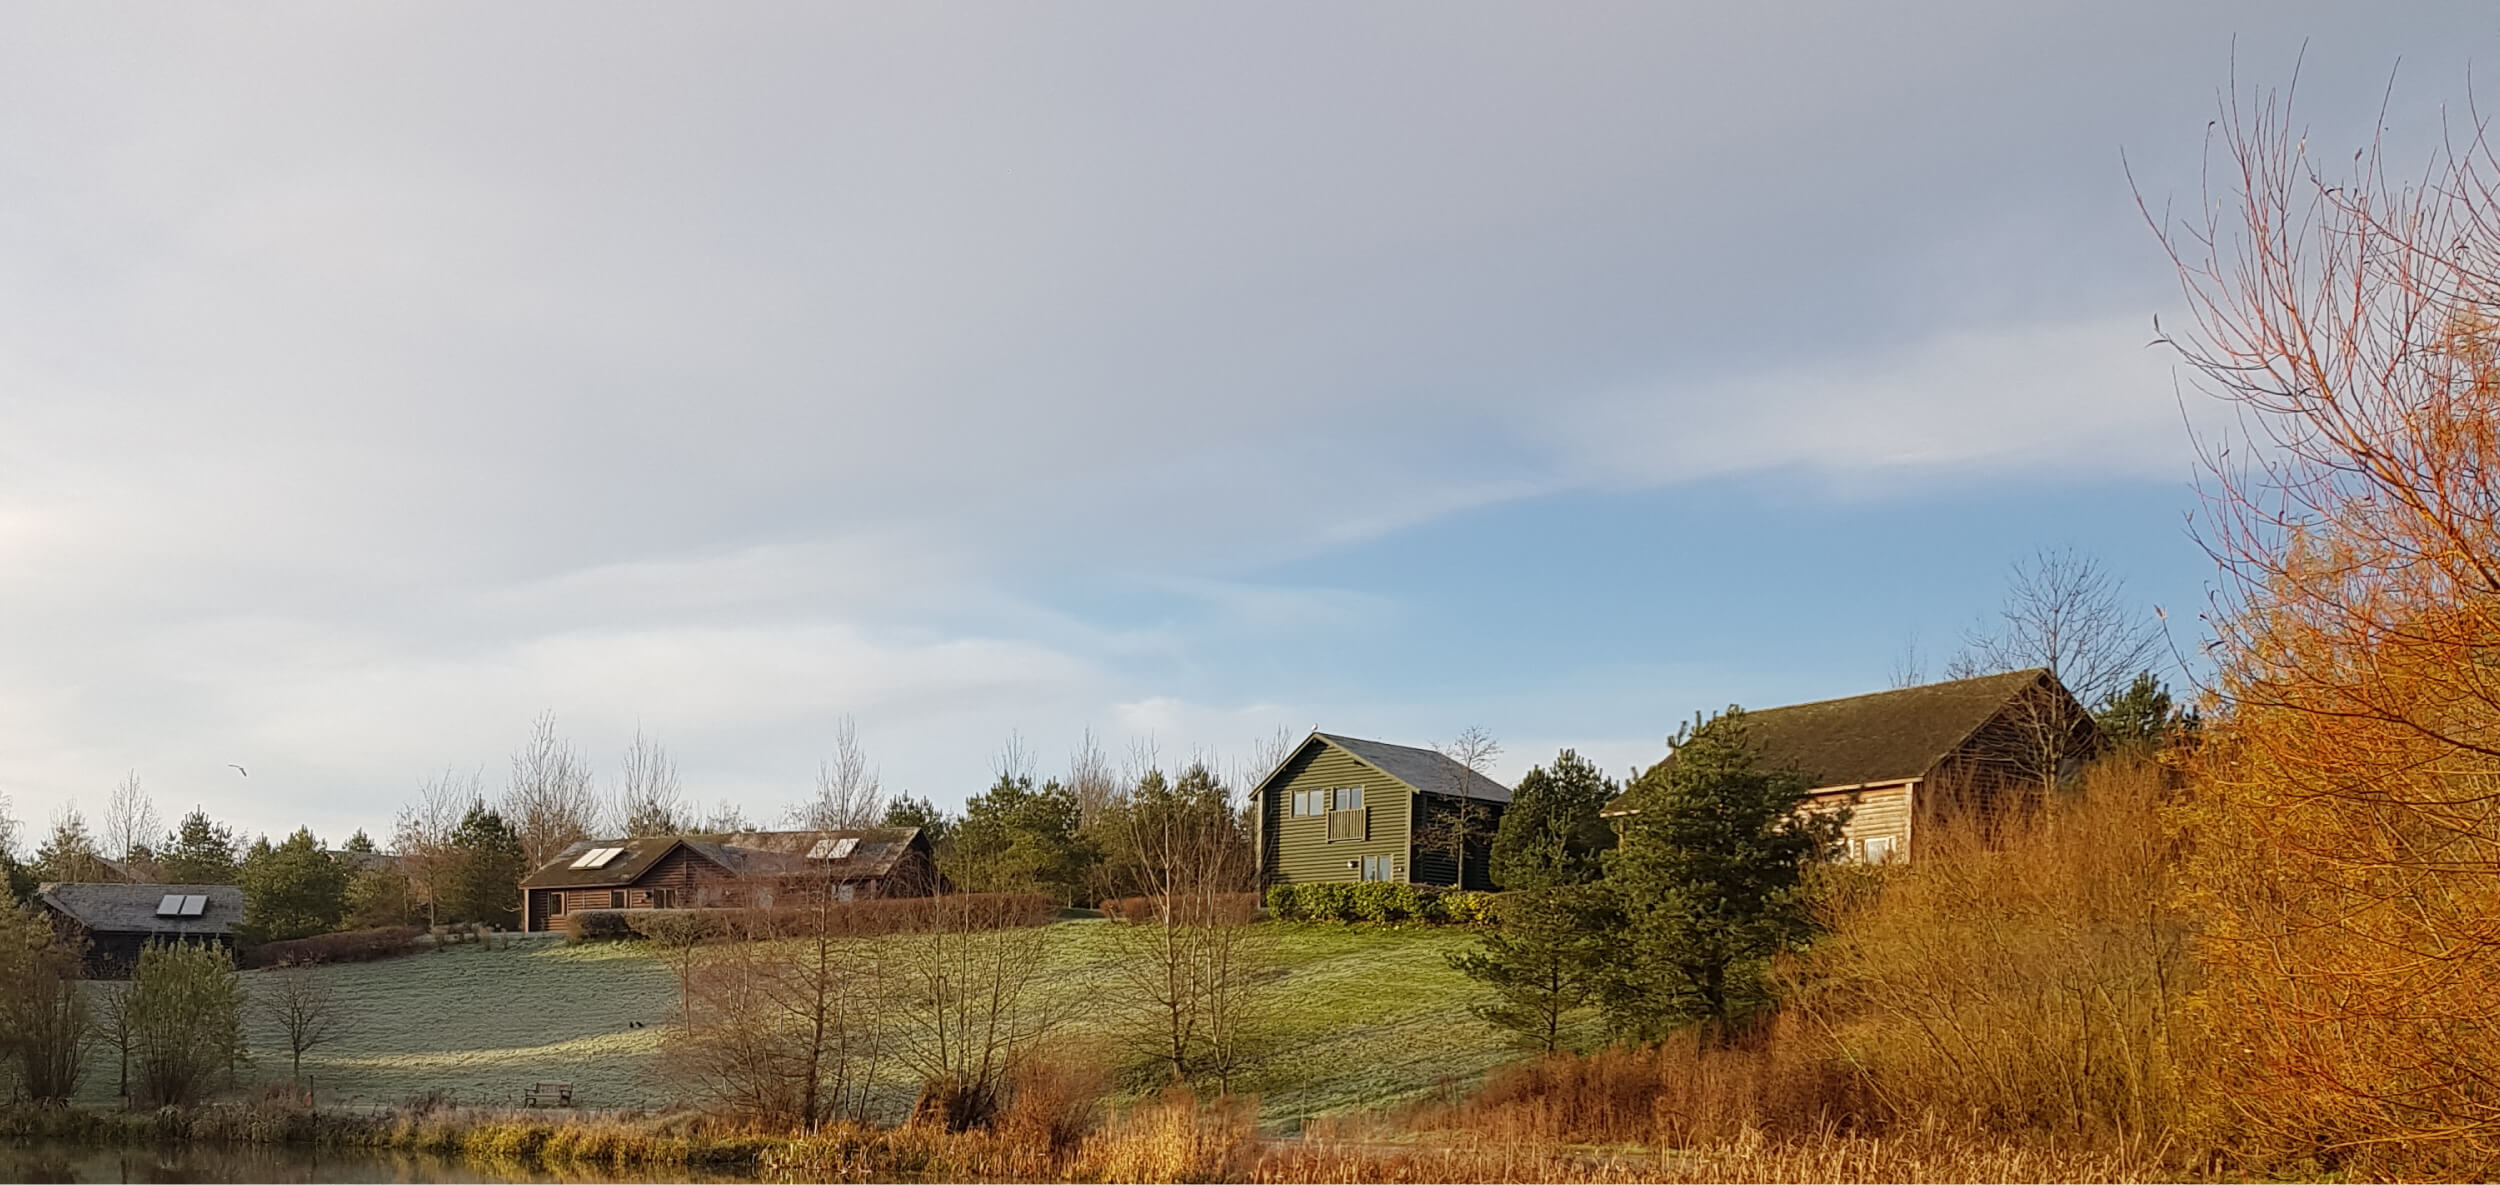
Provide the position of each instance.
(1903, 762)
(746, 869)
(1341, 808)
(113, 922)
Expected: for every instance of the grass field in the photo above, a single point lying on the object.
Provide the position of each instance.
(1367, 1016)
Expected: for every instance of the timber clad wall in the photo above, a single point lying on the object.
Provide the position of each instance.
(1297, 847)
(1878, 813)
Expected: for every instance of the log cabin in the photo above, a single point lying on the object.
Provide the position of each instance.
(1342, 808)
(736, 870)
(1906, 761)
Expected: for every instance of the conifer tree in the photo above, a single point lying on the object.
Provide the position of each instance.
(1710, 881)
(1545, 964)
(1551, 834)
(202, 852)
(292, 889)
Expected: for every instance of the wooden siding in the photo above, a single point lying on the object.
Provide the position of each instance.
(684, 880)
(1877, 812)
(1438, 866)
(1297, 850)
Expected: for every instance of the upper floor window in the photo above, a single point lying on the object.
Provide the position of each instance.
(1320, 802)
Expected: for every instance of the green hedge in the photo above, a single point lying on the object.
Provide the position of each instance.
(1378, 901)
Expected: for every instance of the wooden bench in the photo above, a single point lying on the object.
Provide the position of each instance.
(548, 1094)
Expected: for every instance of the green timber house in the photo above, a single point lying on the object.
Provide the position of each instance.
(1341, 808)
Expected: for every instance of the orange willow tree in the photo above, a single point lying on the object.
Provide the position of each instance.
(2347, 850)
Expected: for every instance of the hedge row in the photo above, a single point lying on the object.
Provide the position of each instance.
(1379, 901)
(1223, 908)
(850, 919)
(349, 946)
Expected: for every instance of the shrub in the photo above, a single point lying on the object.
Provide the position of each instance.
(1283, 903)
(1385, 901)
(348, 946)
(852, 919)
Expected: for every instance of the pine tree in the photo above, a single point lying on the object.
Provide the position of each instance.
(202, 852)
(1709, 877)
(1551, 834)
(2141, 715)
(1546, 962)
(293, 889)
(488, 866)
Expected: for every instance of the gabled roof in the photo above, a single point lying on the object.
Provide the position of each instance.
(131, 908)
(739, 854)
(1423, 769)
(1888, 736)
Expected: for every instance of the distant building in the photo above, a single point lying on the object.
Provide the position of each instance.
(1904, 761)
(117, 921)
(737, 870)
(1341, 808)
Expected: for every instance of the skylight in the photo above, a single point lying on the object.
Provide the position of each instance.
(169, 906)
(833, 849)
(597, 857)
(194, 905)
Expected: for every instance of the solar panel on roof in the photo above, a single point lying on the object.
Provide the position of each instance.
(603, 857)
(583, 860)
(844, 847)
(170, 905)
(194, 905)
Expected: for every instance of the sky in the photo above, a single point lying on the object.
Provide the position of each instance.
(374, 378)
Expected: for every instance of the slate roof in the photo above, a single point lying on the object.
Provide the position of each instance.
(131, 909)
(1887, 736)
(1424, 769)
(740, 853)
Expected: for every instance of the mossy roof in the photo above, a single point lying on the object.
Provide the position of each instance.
(1887, 736)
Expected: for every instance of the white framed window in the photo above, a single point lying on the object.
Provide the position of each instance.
(1878, 849)
(1346, 798)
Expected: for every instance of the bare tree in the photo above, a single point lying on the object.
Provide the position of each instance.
(724, 817)
(422, 835)
(649, 798)
(847, 791)
(131, 827)
(1466, 822)
(784, 1031)
(1909, 666)
(550, 801)
(1090, 777)
(8, 830)
(305, 1010)
(1193, 967)
(966, 1005)
(2065, 613)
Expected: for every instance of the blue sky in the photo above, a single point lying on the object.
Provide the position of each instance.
(375, 378)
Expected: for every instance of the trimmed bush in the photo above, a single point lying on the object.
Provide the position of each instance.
(1383, 902)
(346, 946)
(851, 919)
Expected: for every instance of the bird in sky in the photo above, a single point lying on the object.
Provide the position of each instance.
(239, 769)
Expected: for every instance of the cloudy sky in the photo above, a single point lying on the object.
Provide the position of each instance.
(375, 377)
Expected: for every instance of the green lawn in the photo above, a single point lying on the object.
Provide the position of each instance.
(1366, 1016)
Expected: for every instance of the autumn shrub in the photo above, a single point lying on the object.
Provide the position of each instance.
(347, 946)
(2031, 982)
(866, 918)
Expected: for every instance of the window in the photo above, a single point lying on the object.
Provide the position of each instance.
(1380, 868)
(1347, 798)
(616, 899)
(1879, 848)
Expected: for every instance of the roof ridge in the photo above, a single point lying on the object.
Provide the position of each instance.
(1842, 699)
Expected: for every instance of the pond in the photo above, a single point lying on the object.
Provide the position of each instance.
(45, 1160)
